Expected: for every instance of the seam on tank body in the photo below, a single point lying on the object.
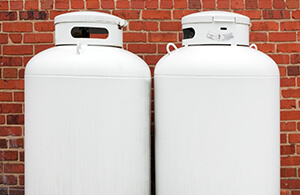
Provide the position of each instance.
(208, 76)
(87, 76)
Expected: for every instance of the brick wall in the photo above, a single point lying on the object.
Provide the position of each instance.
(26, 28)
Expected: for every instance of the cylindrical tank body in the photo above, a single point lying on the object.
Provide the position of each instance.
(87, 112)
(217, 112)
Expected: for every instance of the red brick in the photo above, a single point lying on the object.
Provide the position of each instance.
(279, 4)
(21, 73)
(34, 15)
(31, 5)
(264, 26)
(280, 59)
(107, 4)
(156, 14)
(17, 27)
(283, 138)
(11, 108)
(209, 4)
(282, 36)
(16, 143)
(46, 4)
(194, 4)
(77, 4)
(93, 4)
(10, 61)
(8, 155)
(16, 5)
(137, 4)
(162, 37)
(258, 37)
(127, 14)
(293, 70)
(15, 38)
(10, 73)
(44, 26)
(276, 14)
(3, 5)
(289, 149)
(290, 184)
(266, 48)
(252, 14)
(135, 37)
(16, 191)
(294, 138)
(5, 96)
(13, 168)
(290, 160)
(62, 4)
(288, 126)
(3, 144)
(152, 59)
(290, 115)
(53, 14)
(143, 25)
(11, 84)
(291, 93)
(290, 26)
(282, 70)
(288, 172)
(4, 190)
(292, 4)
(17, 49)
(288, 48)
(21, 179)
(180, 4)
(265, 4)
(223, 4)
(178, 14)
(38, 38)
(142, 48)
(295, 192)
(18, 96)
(237, 4)
(287, 104)
(296, 14)
(3, 38)
(151, 4)
(22, 156)
(122, 4)
(166, 4)
(8, 16)
(295, 59)
(2, 120)
(284, 192)
(15, 119)
(39, 48)
(170, 26)
(251, 4)
(8, 180)
(298, 152)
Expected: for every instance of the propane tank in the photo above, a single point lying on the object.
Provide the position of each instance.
(216, 112)
(87, 112)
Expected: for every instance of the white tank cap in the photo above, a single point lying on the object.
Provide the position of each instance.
(70, 26)
(90, 16)
(215, 27)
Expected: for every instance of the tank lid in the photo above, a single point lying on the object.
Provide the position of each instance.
(215, 16)
(89, 28)
(215, 28)
(90, 17)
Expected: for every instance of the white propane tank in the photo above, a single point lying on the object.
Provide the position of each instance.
(87, 112)
(217, 112)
